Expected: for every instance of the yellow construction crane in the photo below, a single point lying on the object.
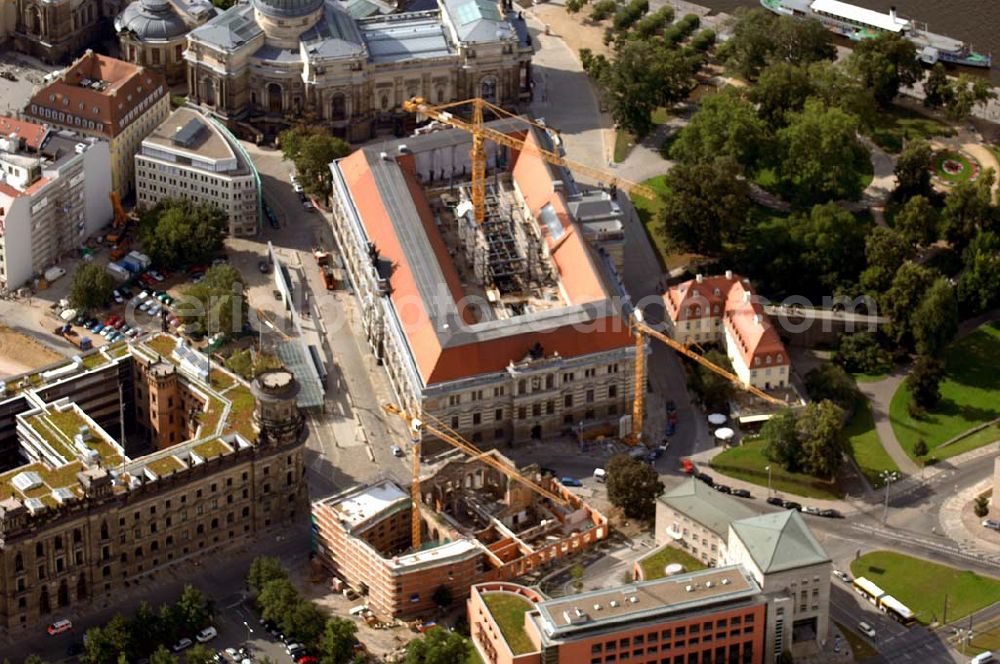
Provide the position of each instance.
(642, 330)
(453, 438)
(116, 204)
(480, 133)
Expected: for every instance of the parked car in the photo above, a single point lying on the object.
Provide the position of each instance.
(118, 296)
(397, 451)
(569, 481)
(706, 478)
(831, 514)
(307, 205)
(156, 275)
(993, 524)
(206, 635)
(774, 500)
(671, 406)
(866, 629)
(264, 267)
(293, 646)
(722, 488)
(182, 645)
(810, 510)
(741, 493)
(843, 576)
(792, 505)
(60, 626)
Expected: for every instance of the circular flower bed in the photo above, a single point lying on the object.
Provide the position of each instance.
(950, 167)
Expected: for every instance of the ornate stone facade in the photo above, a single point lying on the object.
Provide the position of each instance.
(269, 61)
(153, 33)
(55, 31)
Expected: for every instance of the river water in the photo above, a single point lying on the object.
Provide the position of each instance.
(975, 22)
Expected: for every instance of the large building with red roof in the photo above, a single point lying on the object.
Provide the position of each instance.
(105, 98)
(506, 331)
(724, 309)
(53, 195)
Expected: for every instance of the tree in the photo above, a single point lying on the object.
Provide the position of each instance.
(781, 89)
(199, 654)
(913, 175)
(979, 282)
(175, 231)
(924, 381)
(711, 389)
(937, 89)
(968, 208)
(105, 644)
(835, 86)
(981, 506)
(920, 448)
(829, 382)
(264, 569)
(311, 148)
(162, 656)
(759, 37)
(783, 445)
(574, 6)
(885, 251)
(438, 646)
(337, 641)
(442, 596)
(726, 125)
(193, 609)
(705, 206)
(885, 64)
(305, 622)
(602, 9)
(217, 303)
(633, 486)
(641, 77)
(901, 300)
(861, 353)
(34, 659)
(917, 220)
(277, 599)
(966, 93)
(820, 428)
(91, 287)
(145, 628)
(831, 245)
(820, 154)
(935, 320)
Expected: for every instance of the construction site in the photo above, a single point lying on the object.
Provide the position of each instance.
(476, 523)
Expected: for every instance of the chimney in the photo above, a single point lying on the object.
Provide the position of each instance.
(729, 275)
(746, 296)
(699, 278)
(892, 13)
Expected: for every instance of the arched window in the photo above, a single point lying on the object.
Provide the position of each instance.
(338, 107)
(104, 530)
(18, 563)
(488, 89)
(274, 102)
(77, 536)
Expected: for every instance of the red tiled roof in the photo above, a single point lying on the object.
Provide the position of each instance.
(438, 364)
(127, 86)
(32, 133)
(731, 298)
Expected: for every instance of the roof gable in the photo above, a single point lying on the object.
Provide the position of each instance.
(779, 541)
(705, 505)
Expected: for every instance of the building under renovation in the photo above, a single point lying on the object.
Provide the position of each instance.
(507, 329)
(477, 525)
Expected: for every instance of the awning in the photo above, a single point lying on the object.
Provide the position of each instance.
(718, 419)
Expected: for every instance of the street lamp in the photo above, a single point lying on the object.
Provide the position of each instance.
(888, 477)
(249, 630)
(768, 469)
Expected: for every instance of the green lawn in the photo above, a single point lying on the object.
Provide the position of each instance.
(653, 566)
(508, 610)
(968, 398)
(870, 378)
(747, 463)
(860, 647)
(986, 636)
(922, 585)
(625, 141)
(649, 215)
(867, 449)
(967, 163)
(899, 125)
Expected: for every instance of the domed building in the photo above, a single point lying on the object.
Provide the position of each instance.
(153, 33)
(269, 62)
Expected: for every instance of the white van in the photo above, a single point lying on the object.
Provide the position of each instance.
(600, 475)
(983, 658)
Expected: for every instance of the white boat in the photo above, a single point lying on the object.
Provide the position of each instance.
(858, 23)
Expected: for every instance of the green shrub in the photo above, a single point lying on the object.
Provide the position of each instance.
(602, 9)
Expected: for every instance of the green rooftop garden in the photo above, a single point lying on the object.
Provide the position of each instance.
(653, 567)
(210, 418)
(220, 380)
(94, 360)
(165, 465)
(508, 610)
(51, 434)
(163, 345)
(241, 413)
(211, 448)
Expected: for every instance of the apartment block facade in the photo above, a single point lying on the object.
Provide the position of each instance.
(190, 156)
(53, 196)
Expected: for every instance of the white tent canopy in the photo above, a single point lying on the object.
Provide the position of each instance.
(724, 433)
(717, 419)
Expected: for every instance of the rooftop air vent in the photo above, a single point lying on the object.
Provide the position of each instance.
(688, 588)
(598, 607)
(725, 582)
(384, 156)
(708, 584)
(633, 599)
(402, 149)
(613, 603)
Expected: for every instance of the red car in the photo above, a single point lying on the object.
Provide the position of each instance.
(307, 659)
(688, 466)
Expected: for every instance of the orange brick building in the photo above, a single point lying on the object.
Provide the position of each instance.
(478, 526)
(716, 616)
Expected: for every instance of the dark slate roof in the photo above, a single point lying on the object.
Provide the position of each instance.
(477, 20)
(151, 20)
(230, 29)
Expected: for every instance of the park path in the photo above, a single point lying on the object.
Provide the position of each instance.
(879, 393)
